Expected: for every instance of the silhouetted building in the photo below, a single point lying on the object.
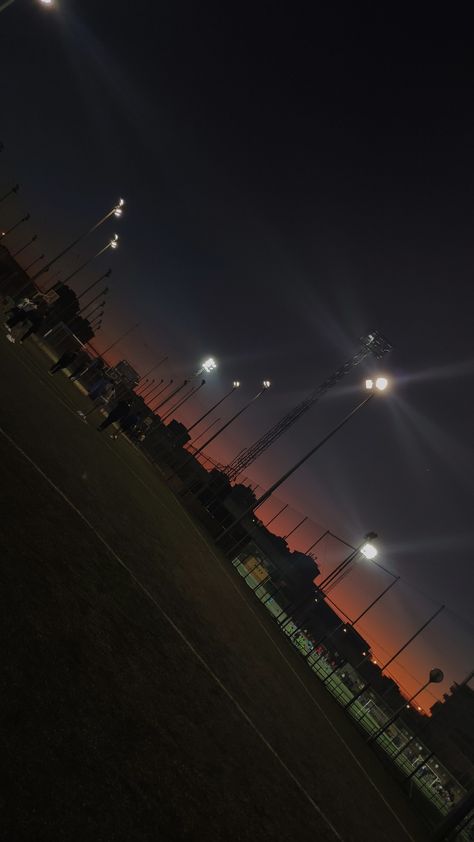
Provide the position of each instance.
(451, 731)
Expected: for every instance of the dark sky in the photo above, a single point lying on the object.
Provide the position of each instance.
(293, 179)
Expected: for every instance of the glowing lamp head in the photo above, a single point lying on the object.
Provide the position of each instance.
(236, 384)
(209, 365)
(118, 209)
(46, 2)
(378, 385)
(266, 384)
(369, 551)
(114, 241)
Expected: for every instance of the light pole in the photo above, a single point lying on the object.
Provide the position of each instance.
(92, 301)
(116, 211)
(89, 315)
(119, 339)
(153, 368)
(380, 385)
(158, 394)
(140, 387)
(153, 389)
(184, 400)
(33, 240)
(285, 537)
(149, 388)
(15, 226)
(91, 286)
(265, 386)
(397, 653)
(209, 427)
(235, 385)
(10, 192)
(435, 677)
(112, 244)
(366, 548)
(207, 366)
(279, 512)
(173, 393)
(36, 260)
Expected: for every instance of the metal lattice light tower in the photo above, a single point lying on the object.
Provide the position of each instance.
(374, 343)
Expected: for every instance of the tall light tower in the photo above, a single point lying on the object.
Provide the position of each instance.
(374, 343)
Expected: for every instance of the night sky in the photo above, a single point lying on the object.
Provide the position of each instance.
(293, 180)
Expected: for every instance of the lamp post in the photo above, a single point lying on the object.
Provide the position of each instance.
(15, 226)
(89, 315)
(235, 385)
(116, 211)
(184, 400)
(265, 386)
(112, 244)
(92, 301)
(435, 677)
(33, 240)
(352, 623)
(153, 368)
(173, 393)
(158, 394)
(119, 339)
(285, 537)
(366, 548)
(397, 653)
(33, 262)
(91, 286)
(149, 388)
(10, 192)
(140, 387)
(209, 427)
(149, 391)
(380, 385)
(279, 512)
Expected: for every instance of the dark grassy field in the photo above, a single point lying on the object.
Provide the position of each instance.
(144, 695)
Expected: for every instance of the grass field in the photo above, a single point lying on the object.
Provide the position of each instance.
(144, 695)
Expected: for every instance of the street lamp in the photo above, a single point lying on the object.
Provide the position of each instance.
(265, 387)
(33, 240)
(184, 400)
(14, 189)
(235, 385)
(16, 225)
(164, 389)
(206, 429)
(435, 677)
(112, 212)
(267, 494)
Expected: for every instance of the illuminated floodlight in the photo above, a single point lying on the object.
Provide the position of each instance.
(118, 209)
(379, 384)
(236, 384)
(114, 241)
(266, 384)
(369, 551)
(46, 2)
(209, 365)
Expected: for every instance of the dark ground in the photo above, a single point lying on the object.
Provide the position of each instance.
(113, 727)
